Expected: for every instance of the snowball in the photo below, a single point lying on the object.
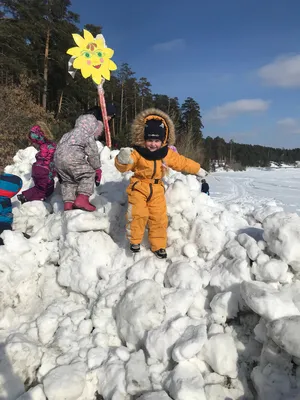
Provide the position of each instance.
(190, 250)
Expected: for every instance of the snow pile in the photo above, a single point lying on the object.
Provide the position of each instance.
(82, 318)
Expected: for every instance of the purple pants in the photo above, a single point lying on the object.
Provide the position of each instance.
(43, 186)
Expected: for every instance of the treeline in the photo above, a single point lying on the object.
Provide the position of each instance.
(35, 85)
(34, 37)
(217, 151)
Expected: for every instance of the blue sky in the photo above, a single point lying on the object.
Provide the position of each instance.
(239, 59)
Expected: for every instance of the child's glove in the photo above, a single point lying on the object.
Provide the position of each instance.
(202, 173)
(124, 156)
(98, 176)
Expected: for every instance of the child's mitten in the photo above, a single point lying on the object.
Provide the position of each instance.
(98, 176)
(124, 156)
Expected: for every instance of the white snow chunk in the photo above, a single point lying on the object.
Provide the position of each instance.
(272, 271)
(96, 356)
(282, 234)
(178, 303)
(228, 275)
(111, 379)
(81, 221)
(215, 329)
(190, 343)
(260, 331)
(140, 309)
(182, 276)
(190, 250)
(209, 239)
(160, 341)
(19, 359)
(197, 309)
(250, 245)
(137, 374)
(221, 354)
(233, 250)
(161, 395)
(262, 212)
(225, 304)
(142, 269)
(83, 255)
(123, 353)
(65, 382)
(285, 333)
(35, 393)
(273, 383)
(186, 382)
(268, 302)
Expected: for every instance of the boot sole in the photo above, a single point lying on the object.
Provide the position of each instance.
(81, 208)
(160, 257)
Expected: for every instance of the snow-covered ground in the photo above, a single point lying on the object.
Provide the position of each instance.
(258, 186)
(83, 318)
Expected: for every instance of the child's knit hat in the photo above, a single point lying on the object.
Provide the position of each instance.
(154, 130)
(36, 135)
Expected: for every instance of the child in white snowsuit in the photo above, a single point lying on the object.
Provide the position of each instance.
(77, 163)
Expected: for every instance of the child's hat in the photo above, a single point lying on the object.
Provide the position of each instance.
(36, 135)
(155, 129)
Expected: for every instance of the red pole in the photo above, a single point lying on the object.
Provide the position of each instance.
(104, 115)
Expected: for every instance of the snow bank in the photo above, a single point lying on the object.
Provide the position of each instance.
(82, 318)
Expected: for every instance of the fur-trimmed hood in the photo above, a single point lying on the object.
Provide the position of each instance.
(138, 127)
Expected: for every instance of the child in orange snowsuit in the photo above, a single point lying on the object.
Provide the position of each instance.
(152, 132)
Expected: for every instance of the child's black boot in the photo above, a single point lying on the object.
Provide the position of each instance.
(135, 248)
(21, 198)
(161, 253)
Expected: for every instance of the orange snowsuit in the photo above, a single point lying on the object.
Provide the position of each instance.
(146, 195)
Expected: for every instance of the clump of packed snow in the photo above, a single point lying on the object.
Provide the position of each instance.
(83, 318)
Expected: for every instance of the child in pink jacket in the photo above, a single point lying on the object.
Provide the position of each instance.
(43, 171)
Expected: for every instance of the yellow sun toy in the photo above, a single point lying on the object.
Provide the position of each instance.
(92, 57)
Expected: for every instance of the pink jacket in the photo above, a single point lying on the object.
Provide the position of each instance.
(45, 155)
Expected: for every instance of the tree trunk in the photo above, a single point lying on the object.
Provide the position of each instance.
(113, 134)
(60, 103)
(121, 110)
(135, 101)
(46, 59)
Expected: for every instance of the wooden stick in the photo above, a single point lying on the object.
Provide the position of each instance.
(104, 115)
